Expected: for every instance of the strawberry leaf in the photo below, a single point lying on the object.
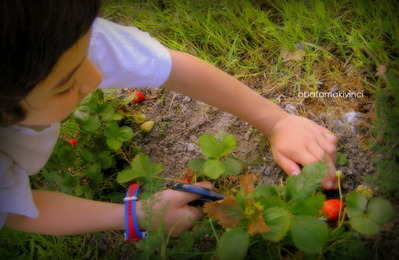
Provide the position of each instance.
(141, 166)
(227, 143)
(227, 212)
(216, 147)
(233, 168)
(304, 185)
(92, 124)
(196, 165)
(309, 234)
(279, 221)
(356, 204)
(117, 135)
(257, 224)
(380, 210)
(310, 206)
(233, 244)
(209, 145)
(363, 224)
(213, 169)
(247, 182)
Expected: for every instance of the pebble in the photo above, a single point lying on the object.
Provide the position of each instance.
(191, 147)
(350, 117)
(290, 109)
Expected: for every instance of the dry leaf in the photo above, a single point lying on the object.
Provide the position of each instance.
(247, 182)
(257, 224)
(227, 212)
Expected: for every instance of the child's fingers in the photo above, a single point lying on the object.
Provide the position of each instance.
(289, 166)
(330, 180)
(313, 154)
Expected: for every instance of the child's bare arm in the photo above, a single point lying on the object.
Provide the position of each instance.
(295, 140)
(61, 214)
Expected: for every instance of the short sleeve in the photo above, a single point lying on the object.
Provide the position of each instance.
(15, 191)
(23, 152)
(128, 57)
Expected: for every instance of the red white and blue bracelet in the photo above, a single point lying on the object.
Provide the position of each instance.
(133, 232)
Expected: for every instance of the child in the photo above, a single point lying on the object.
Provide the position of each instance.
(54, 53)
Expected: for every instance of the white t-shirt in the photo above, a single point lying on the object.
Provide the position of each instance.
(126, 57)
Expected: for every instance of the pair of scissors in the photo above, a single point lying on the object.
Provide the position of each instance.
(208, 195)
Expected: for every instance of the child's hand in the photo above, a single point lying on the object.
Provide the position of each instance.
(297, 140)
(172, 206)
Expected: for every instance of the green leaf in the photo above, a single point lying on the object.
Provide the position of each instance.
(51, 175)
(196, 164)
(141, 166)
(88, 192)
(227, 143)
(304, 185)
(95, 181)
(125, 134)
(213, 169)
(105, 160)
(106, 111)
(82, 114)
(233, 244)
(216, 147)
(69, 181)
(279, 222)
(380, 210)
(310, 206)
(273, 201)
(363, 224)
(209, 145)
(92, 124)
(115, 197)
(341, 159)
(265, 190)
(88, 155)
(232, 167)
(114, 143)
(112, 129)
(187, 240)
(356, 204)
(117, 135)
(128, 175)
(309, 234)
(66, 155)
(93, 170)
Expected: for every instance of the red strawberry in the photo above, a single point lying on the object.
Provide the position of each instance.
(331, 208)
(72, 142)
(137, 96)
(185, 180)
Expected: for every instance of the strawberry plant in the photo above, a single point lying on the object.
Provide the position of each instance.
(277, 220)
(216, 149)
(92, 147)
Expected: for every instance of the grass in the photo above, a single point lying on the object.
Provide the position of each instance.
(248, 39)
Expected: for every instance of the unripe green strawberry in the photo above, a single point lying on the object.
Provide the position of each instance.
(365, 191)
(147, 126)
(331, 209)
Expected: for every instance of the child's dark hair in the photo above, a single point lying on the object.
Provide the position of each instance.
(33, 36)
